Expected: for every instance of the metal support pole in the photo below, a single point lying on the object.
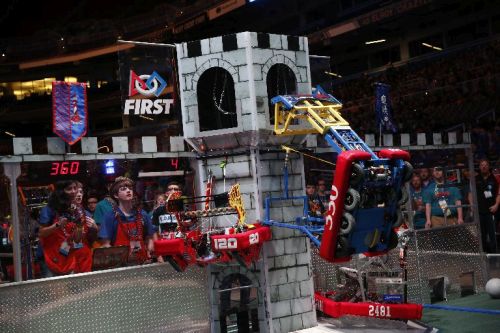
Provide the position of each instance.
(472, 180)
(285, 176)
(408, 207)
(256, 166)
(144, 43)
(419, 267)
(475, 208)
(12, 171)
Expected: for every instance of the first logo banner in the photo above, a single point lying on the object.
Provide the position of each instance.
(143, 88)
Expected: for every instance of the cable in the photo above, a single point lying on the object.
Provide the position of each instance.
(310, 156)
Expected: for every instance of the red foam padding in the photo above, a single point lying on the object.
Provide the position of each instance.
(394, 154)
(328, 246)
(169, 247)
(241, 241)
(366, 309)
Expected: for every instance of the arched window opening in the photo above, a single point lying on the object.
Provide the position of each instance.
(216, 100)
(238, 304)
(281, 80)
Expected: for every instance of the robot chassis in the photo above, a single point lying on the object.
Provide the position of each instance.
(364, 207)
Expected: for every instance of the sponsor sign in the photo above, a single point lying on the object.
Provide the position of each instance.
(396, 298)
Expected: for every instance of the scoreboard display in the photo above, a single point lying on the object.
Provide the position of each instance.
(64, 168)
(163, 164)
(48, 172)
(45, 172)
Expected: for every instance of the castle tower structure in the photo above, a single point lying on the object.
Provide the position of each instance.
(226, 84)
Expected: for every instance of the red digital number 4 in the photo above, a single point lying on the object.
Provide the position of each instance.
(175, 163)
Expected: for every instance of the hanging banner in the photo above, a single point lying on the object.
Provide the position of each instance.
(383, 108)
(69, 110)
(147, 82)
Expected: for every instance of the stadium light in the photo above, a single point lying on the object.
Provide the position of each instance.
(375, 41)
(333, 74)
(432, 46)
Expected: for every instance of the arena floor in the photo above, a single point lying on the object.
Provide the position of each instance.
(433, 320)
(353, 324)
(465, 322)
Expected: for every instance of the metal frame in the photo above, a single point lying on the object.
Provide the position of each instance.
(320, 116)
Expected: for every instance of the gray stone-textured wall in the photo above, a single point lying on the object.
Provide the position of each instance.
(260, 175)
(247, 56)
(271, 183)
(288, 255)
(290, 281)
(283, 274)
(238, 170)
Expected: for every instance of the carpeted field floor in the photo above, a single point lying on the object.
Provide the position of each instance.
(465, 322)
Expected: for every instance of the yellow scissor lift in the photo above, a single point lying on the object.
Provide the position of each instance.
(323, 114)
(320, 114)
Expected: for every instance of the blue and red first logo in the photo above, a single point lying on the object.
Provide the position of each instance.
(143, 88)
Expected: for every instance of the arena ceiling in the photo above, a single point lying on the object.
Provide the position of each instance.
(24, 19)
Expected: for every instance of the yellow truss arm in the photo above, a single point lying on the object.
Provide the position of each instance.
(320, 116)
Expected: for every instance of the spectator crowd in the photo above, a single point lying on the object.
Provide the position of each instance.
(440, 197)
(75, 222)
(442, 200)
(458, 91)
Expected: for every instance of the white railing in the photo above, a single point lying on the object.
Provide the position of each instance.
(147, 147)
(57, 149)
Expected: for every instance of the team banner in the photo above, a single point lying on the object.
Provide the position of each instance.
(69, 110)
(147, 82)
(383, 108)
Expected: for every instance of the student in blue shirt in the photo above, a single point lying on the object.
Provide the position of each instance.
(442, 202)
